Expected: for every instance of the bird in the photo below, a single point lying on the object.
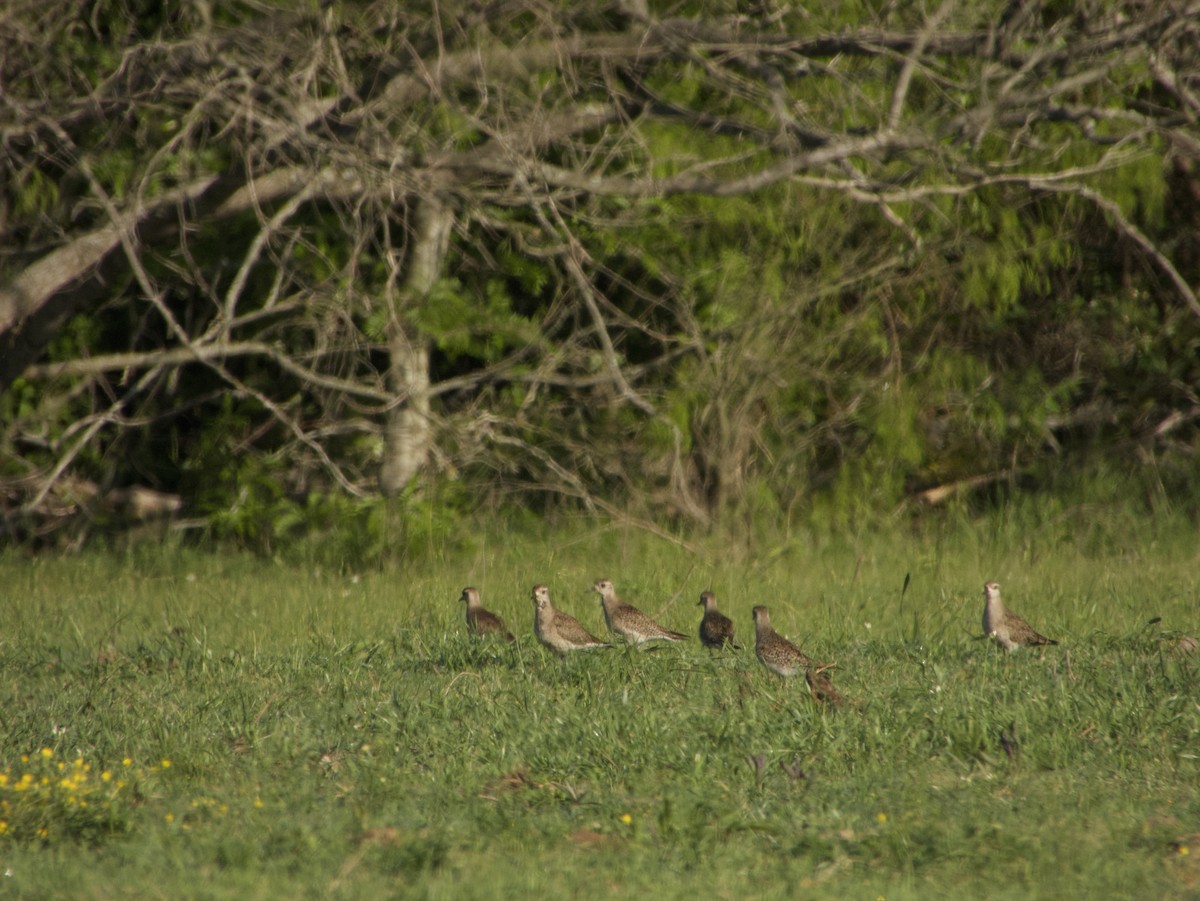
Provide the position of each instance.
(629, 622)
(775, 652)
(821, 687)
(559, 631)
(1009, 630)
(716, 629)
(1182, 645)
(482, 622)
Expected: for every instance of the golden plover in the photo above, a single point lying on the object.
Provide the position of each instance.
(482, 622)
(821, 687)
(716, 629)
(774, 651)
(559, 631)
(1000, 623)
(629, 622)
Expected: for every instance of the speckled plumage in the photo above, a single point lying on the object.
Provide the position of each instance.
(627, 621)
(559, 631)
(482, 622)
(716, 629)
(1008, 629)
(774, 651)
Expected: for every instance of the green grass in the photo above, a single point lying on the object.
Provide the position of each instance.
(335, 734)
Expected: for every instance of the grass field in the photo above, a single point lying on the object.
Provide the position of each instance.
(176, 724)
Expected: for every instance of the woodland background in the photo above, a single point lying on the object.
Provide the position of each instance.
(355, 272)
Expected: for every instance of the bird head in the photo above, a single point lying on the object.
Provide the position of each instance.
(605, 589)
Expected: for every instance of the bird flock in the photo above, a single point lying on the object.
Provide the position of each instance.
(563, 634)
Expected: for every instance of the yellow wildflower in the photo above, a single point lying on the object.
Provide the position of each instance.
(47, 753)
(626, 818)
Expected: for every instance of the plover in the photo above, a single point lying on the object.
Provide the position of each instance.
(774, 651)
(559, 631)
(1000, 623)
(482, 622)
(821, 687)
(1182, 645)
(716, 629)
(629, 622)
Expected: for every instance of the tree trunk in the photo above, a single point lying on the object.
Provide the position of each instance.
(408, 432)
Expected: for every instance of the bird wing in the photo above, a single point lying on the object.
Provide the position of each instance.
(570, 629)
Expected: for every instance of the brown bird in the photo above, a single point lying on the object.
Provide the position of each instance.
(821, 687)
(716, 629)
(774, 651)
(482, 622)
(559, 631)
(1000, 623)
(629, 622)
(1182, 645)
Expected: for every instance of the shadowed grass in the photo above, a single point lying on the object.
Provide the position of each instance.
(336, 734)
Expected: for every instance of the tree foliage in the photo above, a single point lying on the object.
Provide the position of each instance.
(734, 261)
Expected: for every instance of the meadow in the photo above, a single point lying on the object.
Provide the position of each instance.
(186, 724)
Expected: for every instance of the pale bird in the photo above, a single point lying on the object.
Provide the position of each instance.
(775, 652)
(1009, 630)
(629, 622)
(716, 629)
(482, 622)
(559, 631)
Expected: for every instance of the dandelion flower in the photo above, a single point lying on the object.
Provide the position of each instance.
(881, 817)
(626, 818)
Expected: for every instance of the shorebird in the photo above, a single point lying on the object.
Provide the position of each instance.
(821, 687)
(775, 652)
(1000, 623)
(629, 622)
(1182, 645)
(482, 622)
(716, 629)
(559, 631)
